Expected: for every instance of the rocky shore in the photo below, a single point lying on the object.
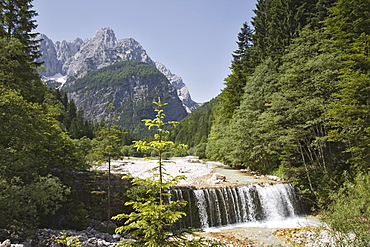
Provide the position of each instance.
(87, 238)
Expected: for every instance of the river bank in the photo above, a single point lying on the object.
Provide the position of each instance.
(198, 173)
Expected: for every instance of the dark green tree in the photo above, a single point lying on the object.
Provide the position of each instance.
(277, 22)
(31, 146)
(281, 121)
(194, 128)
(107, 146)
(16, 71)
(260, 24)
(243, 64)
(348, 19)
(17, 22)
(350, 109)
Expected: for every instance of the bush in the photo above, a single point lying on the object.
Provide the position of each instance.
(349, 213)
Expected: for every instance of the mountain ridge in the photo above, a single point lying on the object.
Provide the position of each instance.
(131, 86)
(74, 59)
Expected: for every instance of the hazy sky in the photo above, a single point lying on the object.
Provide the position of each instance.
(192, 38)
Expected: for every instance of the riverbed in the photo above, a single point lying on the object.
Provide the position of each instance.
(198, 174)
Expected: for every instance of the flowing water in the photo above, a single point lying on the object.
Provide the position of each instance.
(252, 203)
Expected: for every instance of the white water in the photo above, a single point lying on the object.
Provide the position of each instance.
(294, 222)
(252, 205)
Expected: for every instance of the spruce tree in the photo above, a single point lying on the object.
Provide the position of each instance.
(277, 22)
(243, 64)
(350, 109)
(17, 22)
(260, 24)
(348, 25)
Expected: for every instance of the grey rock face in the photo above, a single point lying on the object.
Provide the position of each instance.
(102, 50)
(49, 56)
(75, 58)
(179, 85)
(67, 49)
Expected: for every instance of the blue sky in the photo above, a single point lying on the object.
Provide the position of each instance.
(192, 38)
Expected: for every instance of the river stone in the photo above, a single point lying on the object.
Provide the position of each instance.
(6, 243)
(217, 178)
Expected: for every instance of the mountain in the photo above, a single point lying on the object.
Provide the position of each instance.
(131, 86)
(67, 61)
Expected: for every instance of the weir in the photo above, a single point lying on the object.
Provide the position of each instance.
(249, 203)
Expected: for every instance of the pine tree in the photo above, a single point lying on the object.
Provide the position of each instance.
(348, 24)
(321, 13)
(350, 109)
(19, 49)
(17, 22)
(243, 64)
(277, 22)
(107, 147)
(348, 20)
(17, 73)
(260, 24)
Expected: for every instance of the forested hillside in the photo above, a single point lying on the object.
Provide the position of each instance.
(132, 87)
(297, 102)
(195, 128)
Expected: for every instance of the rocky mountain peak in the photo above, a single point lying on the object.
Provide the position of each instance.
(106, 36)
(74, 59)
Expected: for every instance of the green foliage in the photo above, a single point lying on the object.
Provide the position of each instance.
(114, 74)
(194, 128)
(226, 140)
(304, 109)
(69, 241)
(349, 213)
(348, 20)
(16, 19)
(33, 143)
(72, 120)
(349, 111)
(17, 73)
(243, 64)
(25, 206)
(154, 216)
(107, 144)
(278, 22)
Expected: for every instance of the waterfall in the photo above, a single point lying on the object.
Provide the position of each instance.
(218, 207)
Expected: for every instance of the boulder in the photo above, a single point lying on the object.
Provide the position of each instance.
(6, 243)
(217, 178)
